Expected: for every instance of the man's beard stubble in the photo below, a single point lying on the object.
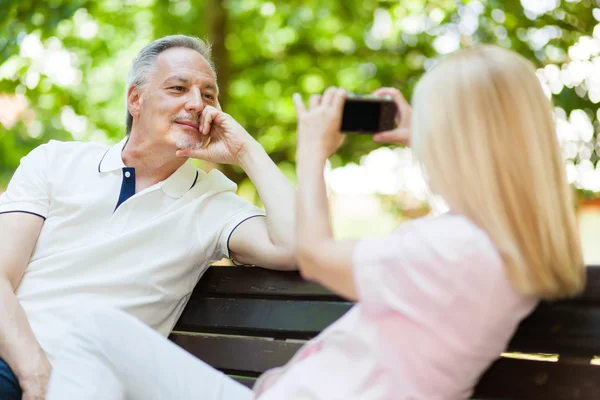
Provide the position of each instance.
(188, 142)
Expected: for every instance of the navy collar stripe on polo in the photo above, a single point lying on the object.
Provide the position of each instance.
(176, 185)
(195, 180)
(102, 159)
(128, 185)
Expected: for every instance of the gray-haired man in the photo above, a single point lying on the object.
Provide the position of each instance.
(134, 226)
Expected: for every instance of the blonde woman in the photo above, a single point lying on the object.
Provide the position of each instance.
(438, 299)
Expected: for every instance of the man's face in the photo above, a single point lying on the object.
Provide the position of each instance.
(170, 104)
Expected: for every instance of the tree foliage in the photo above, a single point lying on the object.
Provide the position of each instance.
(64, 63)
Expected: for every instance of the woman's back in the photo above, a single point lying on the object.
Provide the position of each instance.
(435, 309)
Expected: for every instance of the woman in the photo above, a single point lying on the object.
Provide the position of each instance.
(438, 299)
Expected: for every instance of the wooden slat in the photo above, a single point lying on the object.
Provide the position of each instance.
(298, 319)
(255, 281)
(566, 327)
(247, 281)
(506, 379)
(561, 328)
(531, 380)
(591, 293)
(517, 380)
(244, 380)
(251, 355)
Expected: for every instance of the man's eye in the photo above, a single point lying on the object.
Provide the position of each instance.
(209, 96)
(178, 88)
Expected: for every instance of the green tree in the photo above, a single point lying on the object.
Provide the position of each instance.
(64, 63)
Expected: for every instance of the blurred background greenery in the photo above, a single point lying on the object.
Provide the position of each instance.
(63, 66)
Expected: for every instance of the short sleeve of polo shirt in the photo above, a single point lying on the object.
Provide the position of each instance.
(28, 190)
(237, 211)
(418, 269)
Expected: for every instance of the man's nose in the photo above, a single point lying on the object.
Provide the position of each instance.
(194, 103)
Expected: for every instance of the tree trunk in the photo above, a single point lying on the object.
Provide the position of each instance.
(217, 32)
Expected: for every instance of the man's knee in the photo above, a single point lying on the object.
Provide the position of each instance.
(102, 319)
(99, 327)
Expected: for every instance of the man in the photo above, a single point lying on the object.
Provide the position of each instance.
(133, 227)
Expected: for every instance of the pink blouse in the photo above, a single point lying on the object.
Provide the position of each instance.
(435, 310)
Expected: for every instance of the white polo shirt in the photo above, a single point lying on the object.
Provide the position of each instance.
(103, 245)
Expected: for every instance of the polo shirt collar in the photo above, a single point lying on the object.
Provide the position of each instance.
(112, 161)
(181, 180)
(176, 185)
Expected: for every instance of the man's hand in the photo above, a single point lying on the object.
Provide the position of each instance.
(227, 141)
(319, 125)
(35, 385)
(403, 118)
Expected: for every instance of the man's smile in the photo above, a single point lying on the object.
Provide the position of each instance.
(187, 122)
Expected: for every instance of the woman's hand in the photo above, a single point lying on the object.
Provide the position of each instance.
(319, 125)
(401, 134)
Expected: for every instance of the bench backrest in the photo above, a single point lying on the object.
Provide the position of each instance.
(244, 321)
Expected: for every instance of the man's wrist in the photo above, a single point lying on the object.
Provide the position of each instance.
(37, 367)
(250, 154)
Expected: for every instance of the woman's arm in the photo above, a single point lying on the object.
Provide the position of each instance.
(320, 257)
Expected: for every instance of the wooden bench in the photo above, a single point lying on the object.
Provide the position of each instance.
(244, 321)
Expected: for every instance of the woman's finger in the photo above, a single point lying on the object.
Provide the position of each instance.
(398, 135)
(329, 95)
(393, 92)
(339, 99)
(298, 103)
(314, 101)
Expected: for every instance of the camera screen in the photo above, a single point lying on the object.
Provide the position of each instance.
(361, 116)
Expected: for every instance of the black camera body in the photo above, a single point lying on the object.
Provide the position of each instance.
(368, 114)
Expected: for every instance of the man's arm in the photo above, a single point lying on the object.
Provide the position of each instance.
(266, 242)
(18, 345)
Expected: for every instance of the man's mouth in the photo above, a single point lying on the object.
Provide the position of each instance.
(187, 122)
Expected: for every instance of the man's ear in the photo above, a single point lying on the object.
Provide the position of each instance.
(133, 100)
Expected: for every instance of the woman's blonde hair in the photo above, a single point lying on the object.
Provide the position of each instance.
(484, 134)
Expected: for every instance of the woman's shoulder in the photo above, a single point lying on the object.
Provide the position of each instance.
(444, 242)
(436, 240)
(445, 230)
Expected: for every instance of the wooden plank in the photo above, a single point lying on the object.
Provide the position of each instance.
(245, 354)
(560, 328)
(591, 293)
(256, 281)
(504, 383)
(249, 281)
(506, 379)
(530, 380)
(244, 380)
(299, 319)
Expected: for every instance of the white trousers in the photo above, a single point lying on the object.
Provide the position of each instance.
(110, 355)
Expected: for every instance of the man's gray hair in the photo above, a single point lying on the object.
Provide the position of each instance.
(145, 61)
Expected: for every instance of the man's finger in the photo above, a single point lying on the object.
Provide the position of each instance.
(201, 120)
(198, 152)
(208, 116)
(298, 103)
